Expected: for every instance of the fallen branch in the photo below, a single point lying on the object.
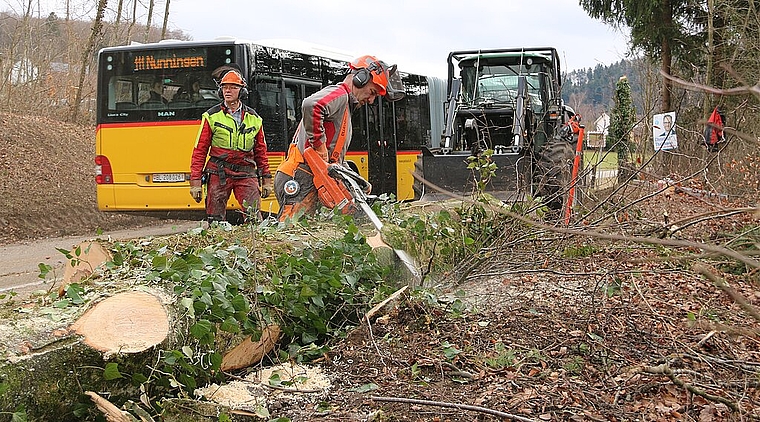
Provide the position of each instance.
(733, 294)
(377, 308)
(453, 406)
(664, 369)
(609, 236)
(109, 410)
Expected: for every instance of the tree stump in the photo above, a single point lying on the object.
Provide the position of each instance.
(129, 322)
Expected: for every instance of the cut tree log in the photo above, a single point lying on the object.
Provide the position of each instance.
(250, 352)
(129, 322)
(86, 258)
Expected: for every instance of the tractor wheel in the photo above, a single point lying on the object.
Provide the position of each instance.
(417, 186)
(554, 173)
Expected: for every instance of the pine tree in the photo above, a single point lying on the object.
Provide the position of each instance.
(620, 134)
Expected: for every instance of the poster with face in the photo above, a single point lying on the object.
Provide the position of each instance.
(664, 131)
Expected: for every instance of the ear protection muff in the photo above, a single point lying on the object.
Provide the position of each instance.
(362, 77)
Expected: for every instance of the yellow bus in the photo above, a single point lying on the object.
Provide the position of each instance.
(143, 144)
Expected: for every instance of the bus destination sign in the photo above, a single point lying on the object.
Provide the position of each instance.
(149, 61)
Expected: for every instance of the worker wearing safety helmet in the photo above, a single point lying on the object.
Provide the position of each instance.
(326, 128)
(232, 136)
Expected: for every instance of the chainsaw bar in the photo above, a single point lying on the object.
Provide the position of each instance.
(356, 185)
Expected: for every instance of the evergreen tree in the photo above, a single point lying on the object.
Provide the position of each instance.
(661, 28)
(622, 121)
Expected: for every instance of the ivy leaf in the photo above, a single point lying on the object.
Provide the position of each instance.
(364, 388)
(307, 292)
(159, 263)
(216, 361)
(201, 328)
(188, 304)
(240, 303)
(111, 372)
(179, 265)
(230, 325)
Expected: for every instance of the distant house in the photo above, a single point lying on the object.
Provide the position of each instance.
(602, 123)
(597, 136)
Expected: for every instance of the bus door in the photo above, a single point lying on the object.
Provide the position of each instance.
(278, 102)
(381, 145)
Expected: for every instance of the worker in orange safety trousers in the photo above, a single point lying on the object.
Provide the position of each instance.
(326, 128)
(232, 136)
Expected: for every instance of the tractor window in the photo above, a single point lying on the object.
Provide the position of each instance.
(497, 86)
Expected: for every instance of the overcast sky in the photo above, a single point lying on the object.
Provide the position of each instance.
(415, 34)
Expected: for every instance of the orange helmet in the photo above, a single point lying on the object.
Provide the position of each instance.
(382, 75)
(234, 78)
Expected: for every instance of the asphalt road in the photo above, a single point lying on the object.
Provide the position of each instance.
(19, 263)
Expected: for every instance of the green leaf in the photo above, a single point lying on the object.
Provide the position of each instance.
(240, 303)
(201, 328)
(44, 269)
(188, 304)
(216, 361)
(159, 263)
(262, 412)
(111, 372)
(364, 388)
(307, 292)
(230, 325)
(317, 300)
(65, 252)
(138, 378)
(179, 265)
(74, 292)
(19, 416)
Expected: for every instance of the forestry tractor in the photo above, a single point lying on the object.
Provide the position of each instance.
(507, 102)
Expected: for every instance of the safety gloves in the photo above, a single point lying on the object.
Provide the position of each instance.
(196, 191)
(267, 186)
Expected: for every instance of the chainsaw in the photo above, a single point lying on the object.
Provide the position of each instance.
(340, 187)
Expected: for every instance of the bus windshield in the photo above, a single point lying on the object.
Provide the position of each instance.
(171, 83)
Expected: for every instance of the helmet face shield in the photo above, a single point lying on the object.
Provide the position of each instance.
(384, 76)
(395, 88)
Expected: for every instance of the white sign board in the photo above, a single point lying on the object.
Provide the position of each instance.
(664, 131)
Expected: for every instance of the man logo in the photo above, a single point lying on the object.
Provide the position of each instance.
(291, 187)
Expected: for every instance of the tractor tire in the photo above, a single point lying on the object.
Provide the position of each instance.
(417, 186)
(553, 176)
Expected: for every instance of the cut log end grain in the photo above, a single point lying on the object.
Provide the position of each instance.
(129, 322)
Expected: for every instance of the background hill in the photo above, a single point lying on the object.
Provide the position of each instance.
(47, 182)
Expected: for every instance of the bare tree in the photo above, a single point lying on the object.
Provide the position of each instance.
(97, 28)
(149, 21)
(133, 21)
(166, 20)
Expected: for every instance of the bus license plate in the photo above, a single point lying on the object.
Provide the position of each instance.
(169, 177)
